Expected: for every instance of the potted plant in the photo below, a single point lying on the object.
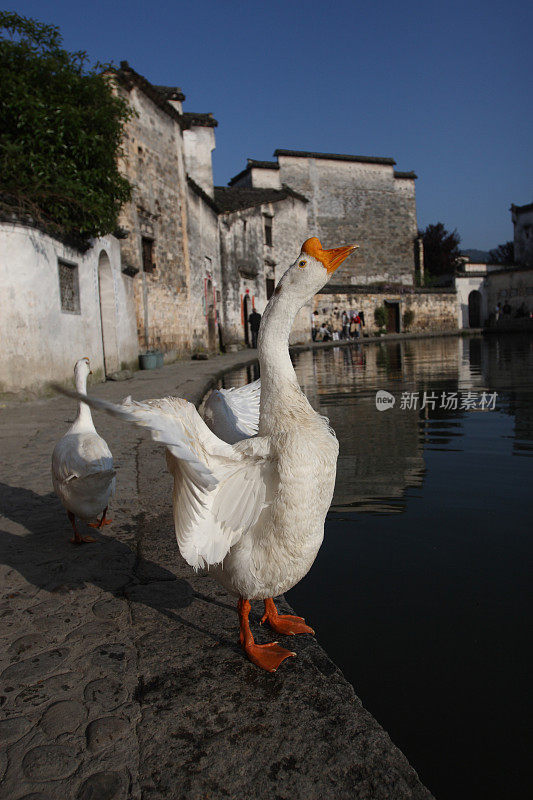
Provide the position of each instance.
(380, 318)
(408, 318)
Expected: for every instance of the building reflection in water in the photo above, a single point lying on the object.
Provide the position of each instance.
(382, 452)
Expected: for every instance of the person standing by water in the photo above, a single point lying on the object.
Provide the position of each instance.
(255, 321)
(314, 325)
(345, 319)
(355, 326)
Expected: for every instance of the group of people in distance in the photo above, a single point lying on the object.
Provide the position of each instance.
(339, 325)
(506, 311)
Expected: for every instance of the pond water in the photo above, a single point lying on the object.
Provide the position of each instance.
(421, 590)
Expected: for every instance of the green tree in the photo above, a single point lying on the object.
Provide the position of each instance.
(441, 249)
(503, 254)
(60, 135)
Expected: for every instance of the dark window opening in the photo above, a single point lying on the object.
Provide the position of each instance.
(148, 254)
(268, 230)
(270, 284)
(69, 287)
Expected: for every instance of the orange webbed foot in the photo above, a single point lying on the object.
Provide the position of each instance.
(100, 524)
(267, 656)
(285, 624)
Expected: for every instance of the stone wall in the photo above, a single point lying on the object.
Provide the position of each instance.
(41, 340)
(432, 310)
(363, 203)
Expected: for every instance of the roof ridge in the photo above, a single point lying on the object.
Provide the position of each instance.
(336, 156)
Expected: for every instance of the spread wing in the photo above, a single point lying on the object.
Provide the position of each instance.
(220, 490)
(233, 414)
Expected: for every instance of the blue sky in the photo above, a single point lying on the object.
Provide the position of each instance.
(444, 88)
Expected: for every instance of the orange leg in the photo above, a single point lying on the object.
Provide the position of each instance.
(284, 623)
(78, 539)
(266, 656)
(102, 522)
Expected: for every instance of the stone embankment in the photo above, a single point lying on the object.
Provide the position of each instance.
(120, 673)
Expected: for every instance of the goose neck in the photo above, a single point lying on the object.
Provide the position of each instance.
(84, 420)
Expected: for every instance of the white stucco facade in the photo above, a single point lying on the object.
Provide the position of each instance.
(41, 341)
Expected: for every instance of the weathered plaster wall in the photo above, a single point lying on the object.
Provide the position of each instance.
(205, 307)
(433, 311)
(513, 286)
(247, 261)
(265, 178)
(153, 161)
(362, 203)
(40, 342)
(199, 142)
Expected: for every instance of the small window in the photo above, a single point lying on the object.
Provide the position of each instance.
(268, 231)
(148, 254)
(69, 287)
(270, 285)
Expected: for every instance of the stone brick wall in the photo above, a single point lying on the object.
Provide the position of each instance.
(362, 203)
(433, 311)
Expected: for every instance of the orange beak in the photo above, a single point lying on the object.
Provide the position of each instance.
(331, 259)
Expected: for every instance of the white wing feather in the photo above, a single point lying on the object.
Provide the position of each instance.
(233, 414)
(219, 489)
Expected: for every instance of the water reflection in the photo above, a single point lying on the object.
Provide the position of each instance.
(382, 452)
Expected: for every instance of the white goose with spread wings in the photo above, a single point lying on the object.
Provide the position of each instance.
(254, 510)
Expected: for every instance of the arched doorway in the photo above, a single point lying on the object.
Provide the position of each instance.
(108, 314)
(474, 309)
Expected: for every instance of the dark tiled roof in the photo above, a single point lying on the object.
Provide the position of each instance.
(170, 92)
(335, 157)
(409, 175)
(191, 119)
(129, 78)
(252, 163)
(235, 199)
(200, 192)
(519, 209)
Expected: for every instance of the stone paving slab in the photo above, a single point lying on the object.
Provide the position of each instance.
(120, 672)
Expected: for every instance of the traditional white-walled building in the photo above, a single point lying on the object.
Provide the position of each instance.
(59, 305)
(261, 232)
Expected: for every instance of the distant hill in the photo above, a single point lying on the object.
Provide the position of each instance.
(477, 256)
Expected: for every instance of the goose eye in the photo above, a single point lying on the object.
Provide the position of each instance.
(302, 264)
